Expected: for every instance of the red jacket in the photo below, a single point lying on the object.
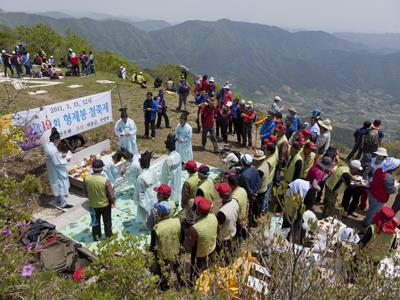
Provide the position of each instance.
(208, 115)
(377, 186)
(249, 117)
(204, 85)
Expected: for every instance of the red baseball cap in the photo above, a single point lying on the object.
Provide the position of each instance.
(163, 189)
(190, 165)
(311, 146)
(306, 132)
(280, 128)
(301, 141)
(223, 189)
(273, 138)
(203, 205)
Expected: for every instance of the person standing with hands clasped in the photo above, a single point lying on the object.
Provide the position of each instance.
(150, 109)
(101, 197)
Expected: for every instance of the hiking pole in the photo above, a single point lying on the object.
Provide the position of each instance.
(131, 214)
(119, 96)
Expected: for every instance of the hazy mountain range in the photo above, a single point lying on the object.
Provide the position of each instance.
(348, 75)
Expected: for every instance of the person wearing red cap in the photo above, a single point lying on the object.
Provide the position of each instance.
(165, 243)
(295, 164)
(308, 155)
(202, 236)
(191, 185)
(163, 193)
(380, 236)
(227, 216)
(240, 195)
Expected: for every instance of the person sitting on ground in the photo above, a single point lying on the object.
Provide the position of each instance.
(163, 194)
(165, 243)
(170, 85)
(101, 197)
(227, 216)
(122, 72)
(140, 80)
(158, 82)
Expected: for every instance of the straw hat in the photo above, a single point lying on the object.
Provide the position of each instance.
(259, 155)
(293, 110)
(327, 124)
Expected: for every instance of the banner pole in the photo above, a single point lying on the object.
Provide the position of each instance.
(119, 96)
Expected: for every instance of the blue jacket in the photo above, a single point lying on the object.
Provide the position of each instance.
(266, 129)
(150, 115)
(234, 110)
(295, 122)
(249, 179)
(200, 99)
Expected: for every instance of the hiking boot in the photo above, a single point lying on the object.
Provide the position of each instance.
(68, 206)
(168, 126)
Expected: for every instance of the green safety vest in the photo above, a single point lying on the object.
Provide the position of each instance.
(168, 232)
(272, 161)
(281, 140)
(289, 172)
(95, 186)
(193, 182)
(307, 164)
(208, 188)
(240, 195)
(335, 177)
(206, 229)
(379, 245)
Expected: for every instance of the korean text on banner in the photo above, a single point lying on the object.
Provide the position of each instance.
(69, 117)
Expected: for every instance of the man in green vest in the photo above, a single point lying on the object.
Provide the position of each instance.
(272, 161)
(282, 146)
(337, 183)
(165, 244)
(206, 187)
(240, 195)
(295, 164)
(191, 185)
(262, 167)
(308, 156)
(163, 194)
(100, 193)
(202, 236)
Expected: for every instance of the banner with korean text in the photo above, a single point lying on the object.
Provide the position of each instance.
(69, 117)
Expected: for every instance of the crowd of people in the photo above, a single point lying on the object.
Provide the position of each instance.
(42, 65)
(296, 157)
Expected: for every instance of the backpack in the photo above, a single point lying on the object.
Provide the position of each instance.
(372, 138)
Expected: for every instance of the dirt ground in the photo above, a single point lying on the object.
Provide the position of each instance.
(132, 96)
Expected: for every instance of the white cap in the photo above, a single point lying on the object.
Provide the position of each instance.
(247, 159)
(381, 152)
(231, 158)
(229, 104)
(140, 73)
(211, 79)
(227, 87)
(356, 164)
(277, 98)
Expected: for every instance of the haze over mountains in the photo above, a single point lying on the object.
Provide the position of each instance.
(349, 75)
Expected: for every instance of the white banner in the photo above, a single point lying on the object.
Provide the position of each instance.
(69, 117)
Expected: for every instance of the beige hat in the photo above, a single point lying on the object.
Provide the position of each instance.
(277, 98)
(292, 109)
(381, 152)
(259, 155)
(242, 102)
(327, 124)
